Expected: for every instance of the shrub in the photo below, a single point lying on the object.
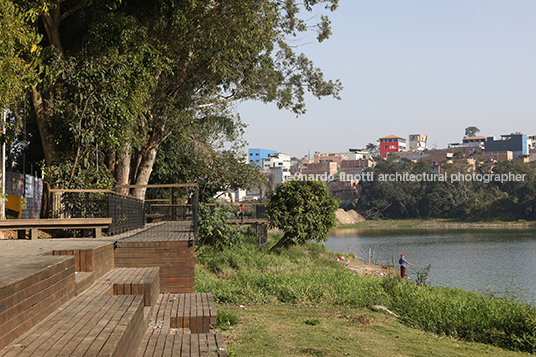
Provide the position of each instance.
(225, 319)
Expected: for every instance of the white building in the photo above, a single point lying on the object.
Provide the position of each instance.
(418, 142)
(355, 154)
(280, 175)
(276, 160)
(474, 142)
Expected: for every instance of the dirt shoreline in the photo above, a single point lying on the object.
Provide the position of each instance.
(369, 269)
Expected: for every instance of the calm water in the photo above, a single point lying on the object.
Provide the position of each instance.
(472, 259)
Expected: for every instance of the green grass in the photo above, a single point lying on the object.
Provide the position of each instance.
(248, 275)
(280, 330)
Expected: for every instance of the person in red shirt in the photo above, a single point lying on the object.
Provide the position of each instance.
(240, 212)
(402, 261)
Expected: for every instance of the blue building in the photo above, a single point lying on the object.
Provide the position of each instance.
(513, 142)
(255, 156)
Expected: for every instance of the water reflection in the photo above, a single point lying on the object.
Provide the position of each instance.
(472, 259)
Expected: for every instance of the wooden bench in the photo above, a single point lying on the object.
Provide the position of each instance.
(21, 225)
(202, 345)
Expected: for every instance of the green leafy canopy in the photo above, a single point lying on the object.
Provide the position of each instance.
(303, 210)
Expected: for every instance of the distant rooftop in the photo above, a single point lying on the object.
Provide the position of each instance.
(392, 137)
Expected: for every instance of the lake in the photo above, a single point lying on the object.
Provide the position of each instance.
(483, 259)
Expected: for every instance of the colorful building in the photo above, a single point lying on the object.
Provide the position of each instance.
(391, 143)
(255, 156)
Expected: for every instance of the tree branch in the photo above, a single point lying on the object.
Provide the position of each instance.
(75, 8)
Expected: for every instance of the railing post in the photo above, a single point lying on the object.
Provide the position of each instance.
(173, 205)
(196, 212)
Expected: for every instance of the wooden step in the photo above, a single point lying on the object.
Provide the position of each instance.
(195, 311)
(130, 281)
(86, 326)
(197, 345)
(28, 294)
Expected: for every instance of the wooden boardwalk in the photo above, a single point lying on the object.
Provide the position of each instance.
(178, 231)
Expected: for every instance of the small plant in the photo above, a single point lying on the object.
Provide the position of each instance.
(313, 322)
(422, 275)
(225, 319)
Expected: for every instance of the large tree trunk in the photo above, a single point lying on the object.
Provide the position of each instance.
(122, 168)
(146, 159)
(43, 124)
(51, 21)
(144, 172)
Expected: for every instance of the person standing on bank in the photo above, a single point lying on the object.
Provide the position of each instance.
(402, 261)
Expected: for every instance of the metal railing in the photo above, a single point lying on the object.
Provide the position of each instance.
(171, 203)
(164, 203)
(126, 212)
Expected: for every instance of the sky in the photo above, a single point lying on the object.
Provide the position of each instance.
(431, 67)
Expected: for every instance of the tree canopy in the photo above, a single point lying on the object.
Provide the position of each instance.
(455, 198)
(303, 210)
(471, 131)
(118, 78)
(17, 44)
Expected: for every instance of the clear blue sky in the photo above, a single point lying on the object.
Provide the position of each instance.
(431, 67)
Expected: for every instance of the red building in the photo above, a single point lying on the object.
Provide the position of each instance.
(391, 143)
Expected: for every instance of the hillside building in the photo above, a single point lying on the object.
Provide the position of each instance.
(391, 143)
(418, 142)
(255, 156)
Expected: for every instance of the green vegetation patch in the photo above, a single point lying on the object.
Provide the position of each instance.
(279, 330)
(248, 275)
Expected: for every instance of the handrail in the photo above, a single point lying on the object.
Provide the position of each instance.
(166, 185)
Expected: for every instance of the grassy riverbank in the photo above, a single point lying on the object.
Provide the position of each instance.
(280, 292)
(438, 223)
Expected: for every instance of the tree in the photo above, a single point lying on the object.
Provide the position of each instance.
(303, 210)
(17, 43)
(171, 58)
(371, 147)
(471, 131)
